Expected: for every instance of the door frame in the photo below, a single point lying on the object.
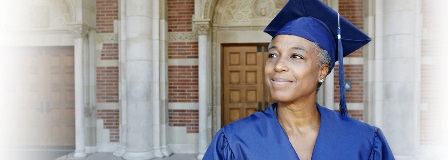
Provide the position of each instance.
(64, 38)
(222, 37)
(222, 70)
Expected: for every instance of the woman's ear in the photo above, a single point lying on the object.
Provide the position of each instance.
(323, 71)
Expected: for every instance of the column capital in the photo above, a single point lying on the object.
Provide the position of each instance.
(202, 26)
(78, 30)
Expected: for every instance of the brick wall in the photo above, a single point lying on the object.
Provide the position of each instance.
(182, 80)
(182, 50)
(356, 114)
(106, 13)
(107, 84)
(110, 118)
(353, 11)
(353, 73)
(110, 51)
(183, 84)
(107, 77)
(184, 118)
(180, 15)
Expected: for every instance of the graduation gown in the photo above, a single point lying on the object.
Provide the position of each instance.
(261, 137)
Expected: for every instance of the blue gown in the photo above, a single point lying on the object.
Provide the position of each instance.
(261, 137)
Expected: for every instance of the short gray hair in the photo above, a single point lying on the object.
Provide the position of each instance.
(324, 59)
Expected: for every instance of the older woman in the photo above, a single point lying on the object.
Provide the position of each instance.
(301, 54)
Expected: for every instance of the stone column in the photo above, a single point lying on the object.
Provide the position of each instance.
(122, 81)
(329, 80)
(371, 77)
(79, 32)
(139, 76)
(156, 105)
(329, 92)
(202, 28)
(166, 151)
(398, 76)
(90, 92)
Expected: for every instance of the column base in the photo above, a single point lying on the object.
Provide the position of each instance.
(139, 155)
(166, 151)
(158, 152)
(200, 156)
(79, 154)
(120, 151)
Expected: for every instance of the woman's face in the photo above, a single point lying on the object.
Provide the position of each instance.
(293, 70)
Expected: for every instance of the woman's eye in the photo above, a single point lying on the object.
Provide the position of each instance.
(272, 55)
(297, 56)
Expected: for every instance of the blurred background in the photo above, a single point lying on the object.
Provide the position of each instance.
(138, 78)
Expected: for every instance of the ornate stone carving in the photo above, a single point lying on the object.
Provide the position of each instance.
(280, 3)
(78, 30)
(106, 38)
(202, 27)
(182, 37)
(247, 12)
(59, 13)
(237, 11)
(263, 8)
(206, 9)
(88, 111)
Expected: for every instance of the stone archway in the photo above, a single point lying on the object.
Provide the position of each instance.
(235, 22)
(47, 26)
(50, 23)
(212, 33)
(204, 9)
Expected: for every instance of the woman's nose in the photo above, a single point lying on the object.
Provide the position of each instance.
(280, 65)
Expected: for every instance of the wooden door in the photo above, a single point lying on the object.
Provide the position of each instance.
(243, 81)
(47, 98)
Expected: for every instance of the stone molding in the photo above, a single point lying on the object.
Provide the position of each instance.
(78, 30)
(182, 37)
(88, 111)
(248, 12)
(202, 26)
(106, 38)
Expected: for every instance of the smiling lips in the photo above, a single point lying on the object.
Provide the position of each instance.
(280, 81)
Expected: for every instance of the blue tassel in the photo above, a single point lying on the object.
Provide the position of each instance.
(342, 103)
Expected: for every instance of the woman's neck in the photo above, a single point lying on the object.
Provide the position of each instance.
(298, 116)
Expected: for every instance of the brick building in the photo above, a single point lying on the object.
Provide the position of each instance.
(146, 79)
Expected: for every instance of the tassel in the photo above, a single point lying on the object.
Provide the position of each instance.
(342, 101)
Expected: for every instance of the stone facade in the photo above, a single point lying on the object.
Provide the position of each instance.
(107, 75)
(167, 55)
(432, 109)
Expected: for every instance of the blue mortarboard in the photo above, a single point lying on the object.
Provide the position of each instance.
(317, 22)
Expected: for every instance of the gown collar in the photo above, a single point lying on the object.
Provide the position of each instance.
(323, 137)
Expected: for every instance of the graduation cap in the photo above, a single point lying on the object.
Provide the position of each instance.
(317, 22)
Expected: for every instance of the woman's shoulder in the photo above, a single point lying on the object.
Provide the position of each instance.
(347, 125)
(352, 137)
(260, 131)
(248, 124)
(336, 117)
